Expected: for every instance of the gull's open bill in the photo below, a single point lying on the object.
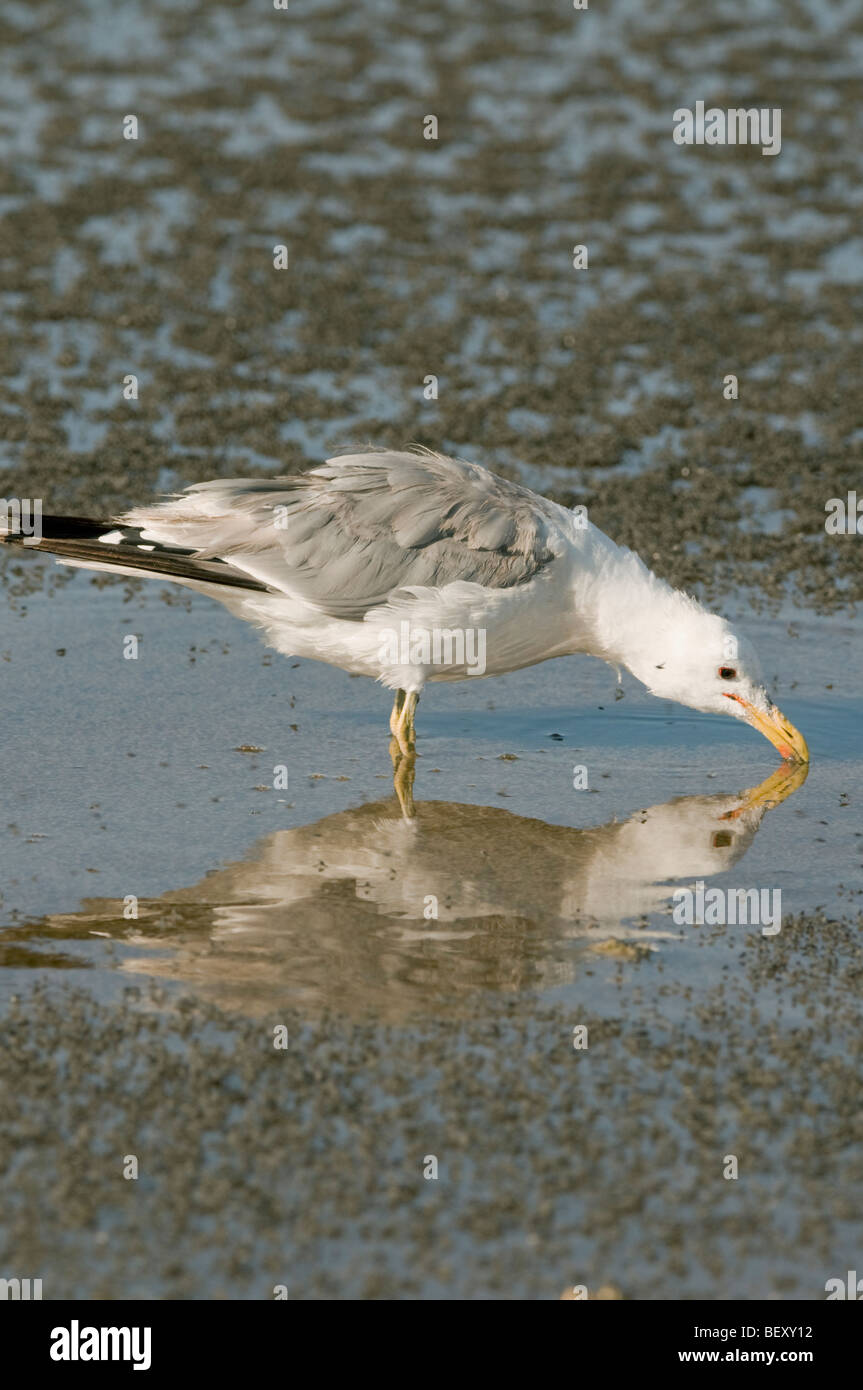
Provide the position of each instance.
(413, 568)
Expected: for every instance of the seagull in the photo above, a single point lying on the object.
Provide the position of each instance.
(411, 567)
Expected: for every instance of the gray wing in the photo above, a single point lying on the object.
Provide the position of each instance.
(347, 536)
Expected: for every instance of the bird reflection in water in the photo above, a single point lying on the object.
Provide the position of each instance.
(340, 914)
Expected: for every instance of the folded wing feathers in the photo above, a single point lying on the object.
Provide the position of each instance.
(350, 532)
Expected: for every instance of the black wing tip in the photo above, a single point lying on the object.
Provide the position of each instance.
(82, 539)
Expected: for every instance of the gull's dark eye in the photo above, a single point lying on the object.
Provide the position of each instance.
(728, 673)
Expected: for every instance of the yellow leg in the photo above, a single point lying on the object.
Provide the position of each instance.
(404, 765)
(403, 727)
(397, 709)
(403, 749)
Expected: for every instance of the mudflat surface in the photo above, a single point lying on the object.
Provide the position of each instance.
(304, 907)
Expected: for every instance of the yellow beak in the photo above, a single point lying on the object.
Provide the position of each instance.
(787, 779)
(781, 732)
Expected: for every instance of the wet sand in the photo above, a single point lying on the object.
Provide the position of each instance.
(412, 1036)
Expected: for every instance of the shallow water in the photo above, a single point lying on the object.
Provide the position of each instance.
(547, 806)
(306, 907)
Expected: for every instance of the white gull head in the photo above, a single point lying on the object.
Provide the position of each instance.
(682, 652)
